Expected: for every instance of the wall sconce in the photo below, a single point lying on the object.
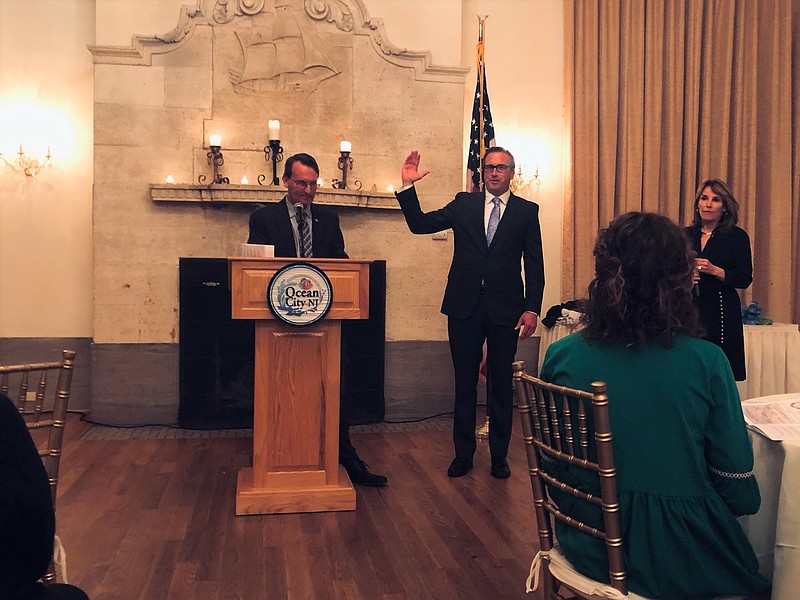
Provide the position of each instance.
(215, 160)
(25, 163)
(522, 178)
(344, 164)
(273, 151)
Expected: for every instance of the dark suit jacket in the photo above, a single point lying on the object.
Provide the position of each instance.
(518, 237)
(271, 225)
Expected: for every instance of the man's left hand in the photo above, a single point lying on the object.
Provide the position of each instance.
(527, 325)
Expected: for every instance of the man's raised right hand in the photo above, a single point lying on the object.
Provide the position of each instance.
(410, 171)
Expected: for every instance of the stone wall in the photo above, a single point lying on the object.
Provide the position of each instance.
(157, 102)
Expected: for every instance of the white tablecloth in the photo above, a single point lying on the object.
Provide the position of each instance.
(774, 531)
(548, 336)
(772, 356)
(772, 359)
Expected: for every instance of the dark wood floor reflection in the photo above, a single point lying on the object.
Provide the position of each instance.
(154, 519)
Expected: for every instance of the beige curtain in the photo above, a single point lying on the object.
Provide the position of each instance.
(662, 94)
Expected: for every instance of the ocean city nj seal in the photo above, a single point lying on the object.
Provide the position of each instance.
(299, 294)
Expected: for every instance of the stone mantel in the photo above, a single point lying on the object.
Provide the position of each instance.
(220, 194)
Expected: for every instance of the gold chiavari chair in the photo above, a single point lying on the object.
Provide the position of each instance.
(30, 384)
(555, 429)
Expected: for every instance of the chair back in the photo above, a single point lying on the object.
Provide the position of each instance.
(555, 426)
(27, 385)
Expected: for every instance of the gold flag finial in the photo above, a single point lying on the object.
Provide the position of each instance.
(481, 25)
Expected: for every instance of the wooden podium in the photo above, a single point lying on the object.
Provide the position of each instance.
(296, 397)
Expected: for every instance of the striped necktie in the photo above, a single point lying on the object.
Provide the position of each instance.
(304, 232)
(494, 220)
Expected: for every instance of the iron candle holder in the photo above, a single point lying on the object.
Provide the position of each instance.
(215, 160)
(272, 152)
(345, 164)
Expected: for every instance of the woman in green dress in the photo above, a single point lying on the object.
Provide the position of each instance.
(684, 461)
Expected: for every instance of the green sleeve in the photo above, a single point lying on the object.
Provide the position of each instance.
(729, 454)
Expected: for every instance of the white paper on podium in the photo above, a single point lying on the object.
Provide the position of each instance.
(261, 250)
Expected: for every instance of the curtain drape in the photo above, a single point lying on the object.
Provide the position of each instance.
(662, 94)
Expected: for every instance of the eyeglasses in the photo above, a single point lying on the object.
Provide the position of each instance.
(305, 184)
(501, 168)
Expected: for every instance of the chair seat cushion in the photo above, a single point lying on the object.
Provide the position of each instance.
(562, 570)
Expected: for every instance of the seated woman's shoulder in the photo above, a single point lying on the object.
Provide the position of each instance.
(703, 350)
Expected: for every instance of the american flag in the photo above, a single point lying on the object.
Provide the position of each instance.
(481, 134)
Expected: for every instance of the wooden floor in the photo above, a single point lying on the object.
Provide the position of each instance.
(154, 519)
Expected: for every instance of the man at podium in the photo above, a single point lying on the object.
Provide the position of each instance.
(297, 229)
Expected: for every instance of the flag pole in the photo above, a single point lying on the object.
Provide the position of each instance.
(481, 129)
(482, 431)
(481, 81)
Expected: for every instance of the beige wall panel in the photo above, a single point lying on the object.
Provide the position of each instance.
(195, 53)
(124, 125)
(133, 308)
(126, 84)
(188, 87)
(118, 20)
(46, 221)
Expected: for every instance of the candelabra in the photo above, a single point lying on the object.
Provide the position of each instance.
(30, 165)
(523, 179)
(345, 164)
(272, 152)
(215, 160)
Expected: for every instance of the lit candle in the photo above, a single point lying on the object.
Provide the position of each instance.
(170, 179)
(244, 180)
(215, 140)
(345, 147)
(320, 181)
(274, 129)
(390, 188)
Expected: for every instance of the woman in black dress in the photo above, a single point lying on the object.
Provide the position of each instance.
(724, 263)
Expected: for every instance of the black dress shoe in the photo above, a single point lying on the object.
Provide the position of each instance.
(360, 475)
(459, 467)
(500, 468)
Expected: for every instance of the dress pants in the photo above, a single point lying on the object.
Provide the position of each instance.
(466, 348)
(347, 454)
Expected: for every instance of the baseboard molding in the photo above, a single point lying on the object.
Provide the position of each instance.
(137, 384)
(17, 351)
(419, 377)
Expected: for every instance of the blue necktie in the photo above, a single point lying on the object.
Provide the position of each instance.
(494, 220)
(304, 232)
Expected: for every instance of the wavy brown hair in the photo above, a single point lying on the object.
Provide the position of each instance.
(643, 281)
(730, 207)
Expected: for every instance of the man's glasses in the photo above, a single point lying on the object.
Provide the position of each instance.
(305, 184)
(501, 168)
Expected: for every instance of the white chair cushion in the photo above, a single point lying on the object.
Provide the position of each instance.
(562, 570)
(60, 560)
